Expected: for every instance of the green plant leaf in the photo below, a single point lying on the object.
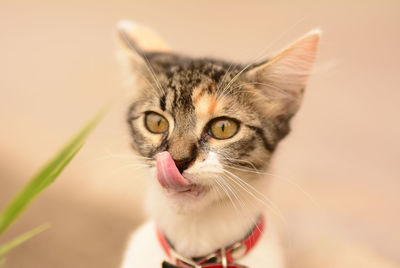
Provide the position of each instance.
(4, 249)
(46, 175)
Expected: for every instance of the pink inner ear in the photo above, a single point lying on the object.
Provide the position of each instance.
(168, 174)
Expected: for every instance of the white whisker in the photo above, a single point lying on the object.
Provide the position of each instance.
(219, 182)
(136, 166)
(261, 197)
(240, 201)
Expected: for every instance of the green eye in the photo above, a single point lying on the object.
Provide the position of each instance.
(156, 123)
(223, 128)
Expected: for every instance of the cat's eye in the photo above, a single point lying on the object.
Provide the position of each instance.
(223, 128)
(156, 123)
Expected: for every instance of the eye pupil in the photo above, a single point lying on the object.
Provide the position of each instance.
(223, 128)
(156, 123)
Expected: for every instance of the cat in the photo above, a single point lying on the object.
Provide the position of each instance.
(207, 130)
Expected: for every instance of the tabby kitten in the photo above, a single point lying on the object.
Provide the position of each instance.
(207, 129)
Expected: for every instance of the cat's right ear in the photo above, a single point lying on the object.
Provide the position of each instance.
(135, 40)
(284, 76)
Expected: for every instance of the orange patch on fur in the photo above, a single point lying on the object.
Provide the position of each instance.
(212, 106)
(211, 87)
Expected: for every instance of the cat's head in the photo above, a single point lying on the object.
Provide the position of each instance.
(206, 127)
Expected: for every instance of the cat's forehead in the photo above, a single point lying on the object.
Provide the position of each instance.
(186, 80)
(193, 89)
(192, 69)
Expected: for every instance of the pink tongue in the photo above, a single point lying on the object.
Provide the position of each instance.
(168, 174)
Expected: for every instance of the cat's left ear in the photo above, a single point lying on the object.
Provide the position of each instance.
(134, 41)
(139, 39)
(286, 74)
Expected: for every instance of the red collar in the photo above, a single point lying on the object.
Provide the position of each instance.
(222, 258)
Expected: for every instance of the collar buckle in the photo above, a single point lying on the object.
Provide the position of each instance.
(224, 257)
(238, 250)
(179, 258)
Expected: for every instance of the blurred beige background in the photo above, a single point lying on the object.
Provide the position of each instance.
(338, 172)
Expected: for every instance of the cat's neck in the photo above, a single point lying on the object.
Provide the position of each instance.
(202, 232)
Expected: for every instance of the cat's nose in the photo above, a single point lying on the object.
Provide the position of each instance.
(183, 164)
(183, 153)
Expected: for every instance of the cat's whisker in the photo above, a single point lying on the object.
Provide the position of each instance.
(233, 80)
(220, 193)
(140, 74)
(130, 156)
(270, 86)
(267, 203)
(232, 165)
(241, 201)
(239, 160)
(243, 208)
(151, 85)
(147, 62)
(235, 195)
(296, 185)
(108, 157)
(225, 84)
(127, 157)
(279, 93)
(263, 199)
(136, 166)
(227, 73)
(154, 76)
(150, 69)
(244, 186)
(239, 74)
(279, 177)
(220, 183)
(245, 169)
(217, 191)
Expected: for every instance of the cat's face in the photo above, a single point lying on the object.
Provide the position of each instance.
(206, 128)
(210, 131)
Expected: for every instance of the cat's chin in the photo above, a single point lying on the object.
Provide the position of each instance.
(194, 191)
